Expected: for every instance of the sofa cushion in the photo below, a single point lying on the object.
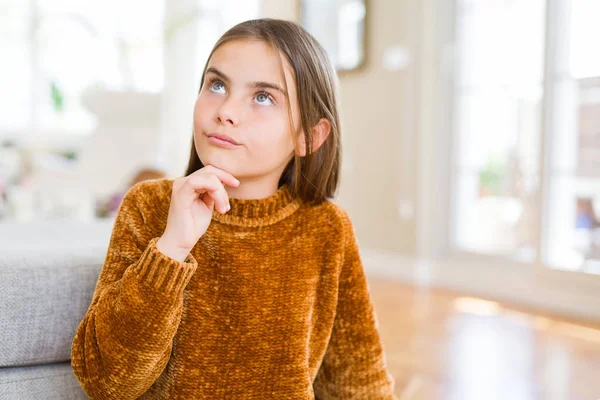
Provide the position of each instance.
(46, 290)
(47, 382)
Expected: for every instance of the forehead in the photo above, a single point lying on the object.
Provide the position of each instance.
(246, 61)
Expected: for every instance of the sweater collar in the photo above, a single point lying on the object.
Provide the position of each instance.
(259, 212)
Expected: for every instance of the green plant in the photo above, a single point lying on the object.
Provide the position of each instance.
(57, 97)
(492, 177)
(69, 155)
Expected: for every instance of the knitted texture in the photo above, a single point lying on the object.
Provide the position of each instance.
(271, 303)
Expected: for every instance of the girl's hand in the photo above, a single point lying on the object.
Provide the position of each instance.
(193, 199)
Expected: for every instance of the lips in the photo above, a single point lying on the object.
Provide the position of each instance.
(223, 137)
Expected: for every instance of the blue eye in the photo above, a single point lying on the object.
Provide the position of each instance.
(262, 99)
(217, 86)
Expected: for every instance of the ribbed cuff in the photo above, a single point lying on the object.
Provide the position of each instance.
(163, 273)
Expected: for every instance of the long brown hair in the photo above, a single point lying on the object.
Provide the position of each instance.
(315, 176)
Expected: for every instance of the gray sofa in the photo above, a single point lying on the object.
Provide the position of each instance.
(48, 272)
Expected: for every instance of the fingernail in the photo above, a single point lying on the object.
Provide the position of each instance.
(228, 207)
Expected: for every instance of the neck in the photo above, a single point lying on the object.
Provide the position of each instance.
(255, 212)
(253, 189)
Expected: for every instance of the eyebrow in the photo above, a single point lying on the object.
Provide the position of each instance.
(256, 84)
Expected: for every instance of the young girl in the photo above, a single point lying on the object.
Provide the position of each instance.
(241, 279)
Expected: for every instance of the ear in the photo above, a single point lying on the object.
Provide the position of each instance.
(319, 133)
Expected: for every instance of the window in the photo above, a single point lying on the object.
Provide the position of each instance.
(497, 122)
(55, 49)
(15, 58)
(571, 228)
(526, 159)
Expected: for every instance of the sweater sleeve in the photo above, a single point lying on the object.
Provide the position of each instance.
(125, 339)
(354, 364)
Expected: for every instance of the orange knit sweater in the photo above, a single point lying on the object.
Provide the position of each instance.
(272, 303)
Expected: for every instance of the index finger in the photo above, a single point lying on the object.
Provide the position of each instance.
(223, 175)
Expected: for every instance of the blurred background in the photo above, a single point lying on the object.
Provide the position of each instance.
(471, 158)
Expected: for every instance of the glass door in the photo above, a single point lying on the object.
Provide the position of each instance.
(498, 97)
(571, 218)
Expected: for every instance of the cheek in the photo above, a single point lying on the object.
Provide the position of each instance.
(274, 139)
(203, 109)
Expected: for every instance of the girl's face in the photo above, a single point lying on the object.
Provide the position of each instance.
(243, 97)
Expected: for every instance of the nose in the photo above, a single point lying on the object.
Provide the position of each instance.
(228, 113)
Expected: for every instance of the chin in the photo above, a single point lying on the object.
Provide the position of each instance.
(221, 161)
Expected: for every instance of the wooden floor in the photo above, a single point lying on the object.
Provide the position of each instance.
(442, 345)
